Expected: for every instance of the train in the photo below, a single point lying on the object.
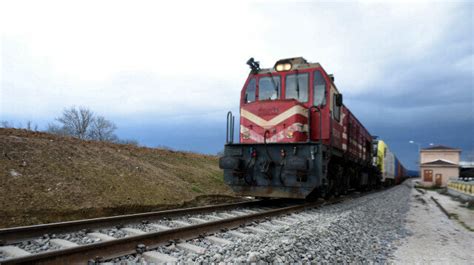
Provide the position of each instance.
(298, 140)
(392, 170)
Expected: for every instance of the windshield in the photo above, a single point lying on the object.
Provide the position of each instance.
(297, 87)
(269, 88)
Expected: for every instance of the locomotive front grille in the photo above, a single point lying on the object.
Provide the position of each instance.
(272, 170)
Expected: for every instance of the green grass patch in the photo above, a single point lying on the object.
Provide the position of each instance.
(196, 189)
(433, 188)
(456, 217)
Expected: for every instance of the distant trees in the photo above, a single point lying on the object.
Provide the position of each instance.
(82, 123)
(29, 125)
(127, 141)
(76, 122)
(5, 124)
(102, 130)
(79, 122)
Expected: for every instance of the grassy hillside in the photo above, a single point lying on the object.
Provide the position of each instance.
(46, 178)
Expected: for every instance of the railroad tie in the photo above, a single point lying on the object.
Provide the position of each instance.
(191, 248)
(250, 211)
(198, 220)
(281, 222)
(291, 220)
(309, 216)
(237, 234)
(257, 230)
(14, 251)
(101, 236)
(133, 231)
(62, 243)
(299, 217)
(160, 227)
(269, 226)
(180, 223)
(158, 258)
(215, 218)
(227, 215)
(239, 213)
(218, 240)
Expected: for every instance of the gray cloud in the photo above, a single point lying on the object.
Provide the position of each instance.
(405, 69)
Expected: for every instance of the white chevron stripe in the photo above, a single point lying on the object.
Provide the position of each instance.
(253, 135)
(276, 120)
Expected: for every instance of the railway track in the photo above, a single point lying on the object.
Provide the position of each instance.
(145, 234)
(58, 242)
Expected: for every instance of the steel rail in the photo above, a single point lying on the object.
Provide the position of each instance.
(22, 233)
(103, 251)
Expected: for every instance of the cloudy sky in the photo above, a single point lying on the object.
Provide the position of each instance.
(166, 74)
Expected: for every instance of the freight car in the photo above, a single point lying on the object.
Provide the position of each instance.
(390, 167)
(297, 138)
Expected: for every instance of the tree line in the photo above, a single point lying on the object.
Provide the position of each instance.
(81, 123)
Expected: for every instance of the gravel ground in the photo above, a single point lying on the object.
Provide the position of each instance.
(362, 230)
(436, 238)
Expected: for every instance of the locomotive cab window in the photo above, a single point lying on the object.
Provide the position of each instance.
(269, 88)
(297, 87)
(319, 89)
(250, 91)
(336, 109)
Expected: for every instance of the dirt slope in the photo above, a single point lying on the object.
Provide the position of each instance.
(45, 178)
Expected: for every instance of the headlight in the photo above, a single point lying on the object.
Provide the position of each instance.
(289, 134)
(283, 67)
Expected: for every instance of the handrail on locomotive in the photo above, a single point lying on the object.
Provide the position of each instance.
(230, 128)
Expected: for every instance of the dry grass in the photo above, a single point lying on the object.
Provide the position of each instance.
(62, 176)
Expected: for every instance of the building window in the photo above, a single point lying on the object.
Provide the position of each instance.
(297, 86)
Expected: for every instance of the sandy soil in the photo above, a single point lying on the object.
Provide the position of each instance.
(436, 239)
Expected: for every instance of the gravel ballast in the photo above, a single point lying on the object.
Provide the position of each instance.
(361, 230)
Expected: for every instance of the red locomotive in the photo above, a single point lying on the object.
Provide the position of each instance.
(297, 139)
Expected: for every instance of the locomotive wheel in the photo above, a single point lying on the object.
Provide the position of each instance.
(315, 195)
(326, 190)
(345, 187)
(339, 183)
